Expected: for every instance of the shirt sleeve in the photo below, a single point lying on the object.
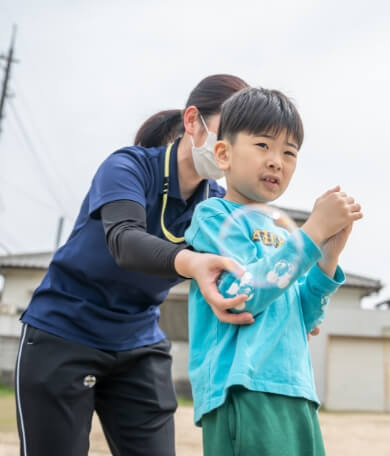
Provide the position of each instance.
(124, 175)
(203, 236)
(131, 246)
(315, 289)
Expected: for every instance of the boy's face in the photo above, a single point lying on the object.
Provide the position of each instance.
(258, 168)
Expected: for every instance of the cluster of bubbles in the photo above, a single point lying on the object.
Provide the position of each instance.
(269, 228)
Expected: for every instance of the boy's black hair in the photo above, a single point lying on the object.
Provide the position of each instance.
(258, 111)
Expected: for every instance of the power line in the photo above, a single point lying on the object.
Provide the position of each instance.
(42, 143)
(27, 139)
(9, 237)
(32, 149)
(13, 132)
(27, 194)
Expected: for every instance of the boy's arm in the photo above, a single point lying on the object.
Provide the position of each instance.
(315, 290)
(203, 235)
(323, 280)
(260, 298)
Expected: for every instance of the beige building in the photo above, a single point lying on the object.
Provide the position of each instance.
(351, 356)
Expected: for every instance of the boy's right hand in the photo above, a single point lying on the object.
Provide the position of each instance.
(332, 212)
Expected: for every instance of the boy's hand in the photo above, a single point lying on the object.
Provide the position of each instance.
(332, 212)
(333, 246)
(331, 250)
(314, 332)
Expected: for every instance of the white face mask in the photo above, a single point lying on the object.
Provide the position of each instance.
(203, 156)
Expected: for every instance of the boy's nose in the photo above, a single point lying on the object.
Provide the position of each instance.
(274, 163)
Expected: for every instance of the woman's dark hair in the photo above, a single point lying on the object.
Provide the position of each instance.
(161, 128)
(207, 96)
(256, 111)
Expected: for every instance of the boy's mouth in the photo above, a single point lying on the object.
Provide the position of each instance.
(271, 181)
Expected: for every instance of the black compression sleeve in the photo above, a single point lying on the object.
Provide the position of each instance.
(131, 246)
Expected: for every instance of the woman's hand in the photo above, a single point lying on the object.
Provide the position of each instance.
(205, 268)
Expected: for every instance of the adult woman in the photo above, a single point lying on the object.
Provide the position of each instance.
(91, 338)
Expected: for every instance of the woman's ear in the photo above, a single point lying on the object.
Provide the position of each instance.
(222, 153)
(189, 119)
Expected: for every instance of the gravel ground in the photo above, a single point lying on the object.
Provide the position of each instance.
(345, 434)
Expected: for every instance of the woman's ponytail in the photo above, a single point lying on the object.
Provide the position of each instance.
(207, 96)
(160, 129)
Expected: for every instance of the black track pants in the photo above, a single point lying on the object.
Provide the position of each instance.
(60, 383)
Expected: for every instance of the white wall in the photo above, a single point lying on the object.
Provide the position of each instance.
(19, 285)
(357, 377)
(179, 354)
(8, 353)
(347, 298)
(345, 318)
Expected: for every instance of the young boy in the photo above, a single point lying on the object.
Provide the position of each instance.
(253, 385)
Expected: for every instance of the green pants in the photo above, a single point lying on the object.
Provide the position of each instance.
(251, 423)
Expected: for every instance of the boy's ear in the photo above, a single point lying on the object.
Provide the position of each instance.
(222, 154)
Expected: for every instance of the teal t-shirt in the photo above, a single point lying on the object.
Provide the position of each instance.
(272, 354)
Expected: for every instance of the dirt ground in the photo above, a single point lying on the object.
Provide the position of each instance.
(345, 434)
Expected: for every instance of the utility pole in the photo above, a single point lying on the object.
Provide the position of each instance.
(59, 231)
(9, 61)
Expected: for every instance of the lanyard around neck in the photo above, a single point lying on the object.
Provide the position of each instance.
(166, 233)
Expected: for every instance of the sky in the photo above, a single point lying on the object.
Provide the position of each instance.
(89, 73)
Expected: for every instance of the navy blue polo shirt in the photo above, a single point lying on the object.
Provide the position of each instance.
(85, 296)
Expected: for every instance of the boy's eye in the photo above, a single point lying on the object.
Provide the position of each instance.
(291, 153)
(262, 145)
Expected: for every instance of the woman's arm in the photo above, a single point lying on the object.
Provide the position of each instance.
(133, 248)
